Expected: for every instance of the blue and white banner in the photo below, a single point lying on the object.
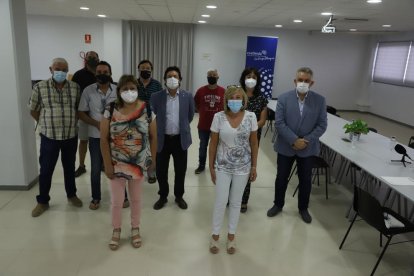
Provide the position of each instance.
(261, 54)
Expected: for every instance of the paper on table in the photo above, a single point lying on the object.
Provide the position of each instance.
(408, 181)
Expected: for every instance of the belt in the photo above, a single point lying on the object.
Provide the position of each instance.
(172, 135)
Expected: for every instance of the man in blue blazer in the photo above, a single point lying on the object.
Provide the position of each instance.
(300, 120)
(174, 110)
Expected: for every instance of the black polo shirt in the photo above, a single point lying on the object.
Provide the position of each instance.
(84, 78)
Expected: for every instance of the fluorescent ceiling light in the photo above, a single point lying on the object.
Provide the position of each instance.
(84, 8)
(205, 15)
(211, 7)
(202, 21)
(326, 13)
(297, 21)
(386, 26)
(352, 30)
(278, 26)
(374, 1)
(101, 15)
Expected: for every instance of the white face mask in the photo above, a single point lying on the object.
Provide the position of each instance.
(129, 96)
(172, 83)
(302, 87)
(250, 83)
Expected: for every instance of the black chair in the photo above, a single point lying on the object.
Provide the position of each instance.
(369, 209)
(373, 129)
(270, 120)
(330, 109)
(318, 164)
(411, 142)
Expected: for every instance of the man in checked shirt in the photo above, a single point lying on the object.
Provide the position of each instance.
(53, 104)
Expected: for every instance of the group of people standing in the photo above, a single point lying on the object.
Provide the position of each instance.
(134, 127)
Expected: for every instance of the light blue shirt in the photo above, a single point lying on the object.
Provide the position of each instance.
(93, 101)
(172, 126)
(301, 103)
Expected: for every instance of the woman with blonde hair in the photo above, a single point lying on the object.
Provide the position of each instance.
(232, 159)
(128, 145)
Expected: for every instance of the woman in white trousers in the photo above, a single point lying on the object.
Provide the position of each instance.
(232, 160)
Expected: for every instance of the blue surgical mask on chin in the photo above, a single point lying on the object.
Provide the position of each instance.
(235, 105)
(59, 76)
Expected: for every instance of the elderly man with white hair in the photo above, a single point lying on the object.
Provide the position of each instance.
(208, 101)
(54, 104)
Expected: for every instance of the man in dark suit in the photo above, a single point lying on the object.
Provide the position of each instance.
(300, 120)
(174, 110)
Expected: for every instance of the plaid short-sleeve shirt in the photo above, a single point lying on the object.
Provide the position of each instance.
(58, 119)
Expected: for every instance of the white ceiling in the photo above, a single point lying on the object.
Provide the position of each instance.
(244, 13)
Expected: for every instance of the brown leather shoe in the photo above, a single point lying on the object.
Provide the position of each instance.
(75, 201)
(39, 209)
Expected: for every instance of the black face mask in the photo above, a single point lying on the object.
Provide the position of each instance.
(145, 74)
(92, 62)
(212, 80)
(103, 79)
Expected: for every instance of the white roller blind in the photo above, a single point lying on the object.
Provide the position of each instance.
(409, 76)
(390, 62)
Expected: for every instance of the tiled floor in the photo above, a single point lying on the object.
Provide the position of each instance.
(70, 241)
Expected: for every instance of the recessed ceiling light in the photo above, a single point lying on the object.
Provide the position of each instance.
(374, 1)
(352, 30)
(386, 26)
(297, 21)
(326, 13)
(202, 21)
(101, 15)
(84, 8)
(205, 15)
(211, 7)
(278, 26)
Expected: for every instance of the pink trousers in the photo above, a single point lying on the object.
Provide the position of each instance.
(117, 199)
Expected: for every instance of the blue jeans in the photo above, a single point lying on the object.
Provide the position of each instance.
(284, 166)
(204, 136)
(96, 167)
(49, 154)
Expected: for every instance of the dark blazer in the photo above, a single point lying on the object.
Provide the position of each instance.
(158, 104)
(290, 125)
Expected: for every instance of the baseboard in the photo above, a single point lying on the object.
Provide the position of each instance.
(373, 114)
(20, 188)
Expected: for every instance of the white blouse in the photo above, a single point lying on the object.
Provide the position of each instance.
(233, 150)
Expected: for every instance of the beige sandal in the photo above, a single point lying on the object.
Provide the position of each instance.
(231, 246)
(214, 246)
(116, 237)
(135, 238)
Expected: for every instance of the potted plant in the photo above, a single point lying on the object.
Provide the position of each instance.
(356, 128)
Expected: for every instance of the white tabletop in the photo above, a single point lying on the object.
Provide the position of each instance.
(372, 153)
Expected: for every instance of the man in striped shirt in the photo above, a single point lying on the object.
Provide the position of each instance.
(54, 104)
(146, 87)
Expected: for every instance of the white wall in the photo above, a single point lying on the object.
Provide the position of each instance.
(339, 61)
(390, 101)
(18, 156)
(51, 37)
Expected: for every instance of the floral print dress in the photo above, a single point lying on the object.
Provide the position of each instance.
(129, 143)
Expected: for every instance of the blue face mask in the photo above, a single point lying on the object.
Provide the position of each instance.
(59, 76)
(235, 105)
